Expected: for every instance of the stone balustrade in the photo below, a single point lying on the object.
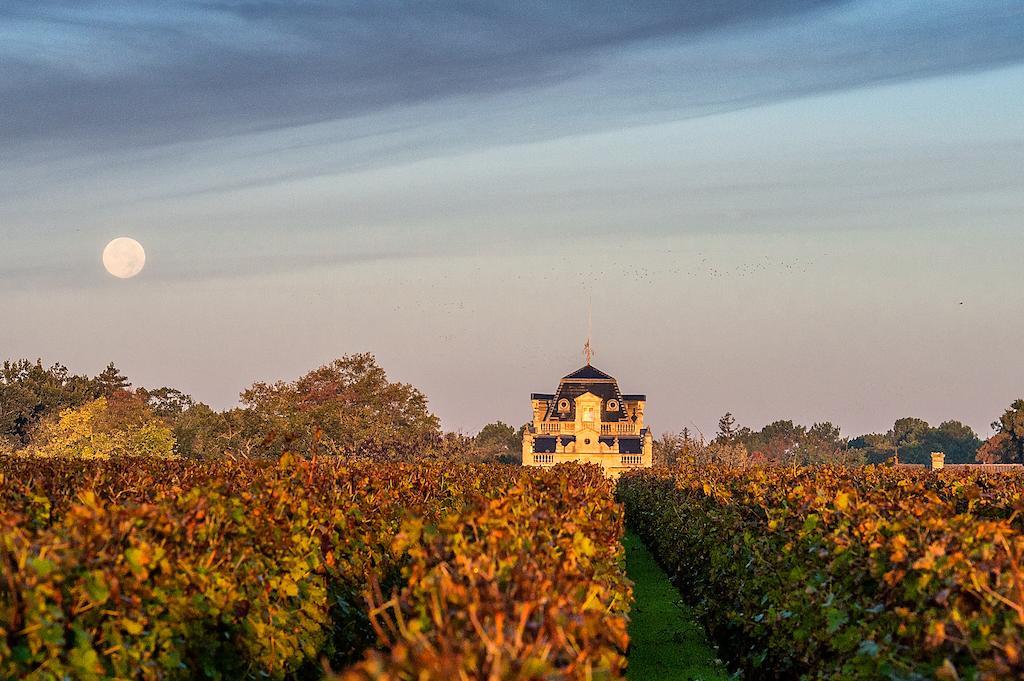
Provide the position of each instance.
(569, 428)
(619, 428)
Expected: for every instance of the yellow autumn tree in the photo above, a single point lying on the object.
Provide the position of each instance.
(120, 426)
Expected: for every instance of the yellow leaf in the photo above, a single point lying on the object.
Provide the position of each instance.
(131, 626)
(947, 672)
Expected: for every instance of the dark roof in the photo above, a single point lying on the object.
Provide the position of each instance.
(588, 373)
(587, 379)
(629, 445)
(570, 389)
(543, 445)
(547, 445)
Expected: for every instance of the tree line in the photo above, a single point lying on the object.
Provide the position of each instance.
(345, 406)
(910, 440)
(350, 406)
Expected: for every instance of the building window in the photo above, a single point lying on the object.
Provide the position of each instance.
(613, 405)
(563, 405)
(588, 414)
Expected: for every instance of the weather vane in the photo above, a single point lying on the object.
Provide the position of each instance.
(588, 350)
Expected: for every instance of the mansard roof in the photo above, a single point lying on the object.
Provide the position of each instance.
(586, 379)
(588, 373)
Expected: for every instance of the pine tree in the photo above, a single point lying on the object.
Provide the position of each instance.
(726, 428)
(111, 381)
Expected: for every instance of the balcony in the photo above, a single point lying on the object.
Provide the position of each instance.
(632, 460)
(543, 458)
(569, 428)
(619, 428)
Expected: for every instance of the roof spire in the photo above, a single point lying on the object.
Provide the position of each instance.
(588, 350)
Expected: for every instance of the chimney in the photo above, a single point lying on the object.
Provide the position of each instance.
(938, 460)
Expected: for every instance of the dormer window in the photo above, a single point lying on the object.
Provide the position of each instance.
(613, 405)
(563, 406)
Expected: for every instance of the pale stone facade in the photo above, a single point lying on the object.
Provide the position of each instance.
(588, 420)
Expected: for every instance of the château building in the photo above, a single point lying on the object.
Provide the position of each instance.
(588, 420)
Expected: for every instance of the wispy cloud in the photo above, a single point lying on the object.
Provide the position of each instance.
(82, 273)
(107, 75)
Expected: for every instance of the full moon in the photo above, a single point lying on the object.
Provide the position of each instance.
(124, 257)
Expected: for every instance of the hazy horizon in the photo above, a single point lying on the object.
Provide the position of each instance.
(795, 209)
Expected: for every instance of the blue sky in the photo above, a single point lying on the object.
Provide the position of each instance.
(793, 209)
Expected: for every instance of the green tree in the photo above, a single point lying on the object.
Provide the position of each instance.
(347, 406)
(905, 442)
(875, 446)
(776, 442)
(788, 443)
(110, 381)
(520, 433)
(726, 428)
(498, 436)
(499, 441)
(683, 449)
(674, 449)
(823, 443)
(956, 440)
(167, 403)
(30, 393)
(907, 433)
(200, 432)
(725, 453)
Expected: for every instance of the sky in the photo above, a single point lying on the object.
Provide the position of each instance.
(786, 209)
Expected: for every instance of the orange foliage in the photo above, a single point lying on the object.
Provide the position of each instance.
(853, 573)
(268, 569)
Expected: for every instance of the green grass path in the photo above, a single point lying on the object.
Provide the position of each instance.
(666, 643)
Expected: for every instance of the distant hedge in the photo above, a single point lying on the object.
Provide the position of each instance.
(246, 569)
(851, 573)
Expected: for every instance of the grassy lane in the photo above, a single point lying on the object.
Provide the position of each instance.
(666, 644)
